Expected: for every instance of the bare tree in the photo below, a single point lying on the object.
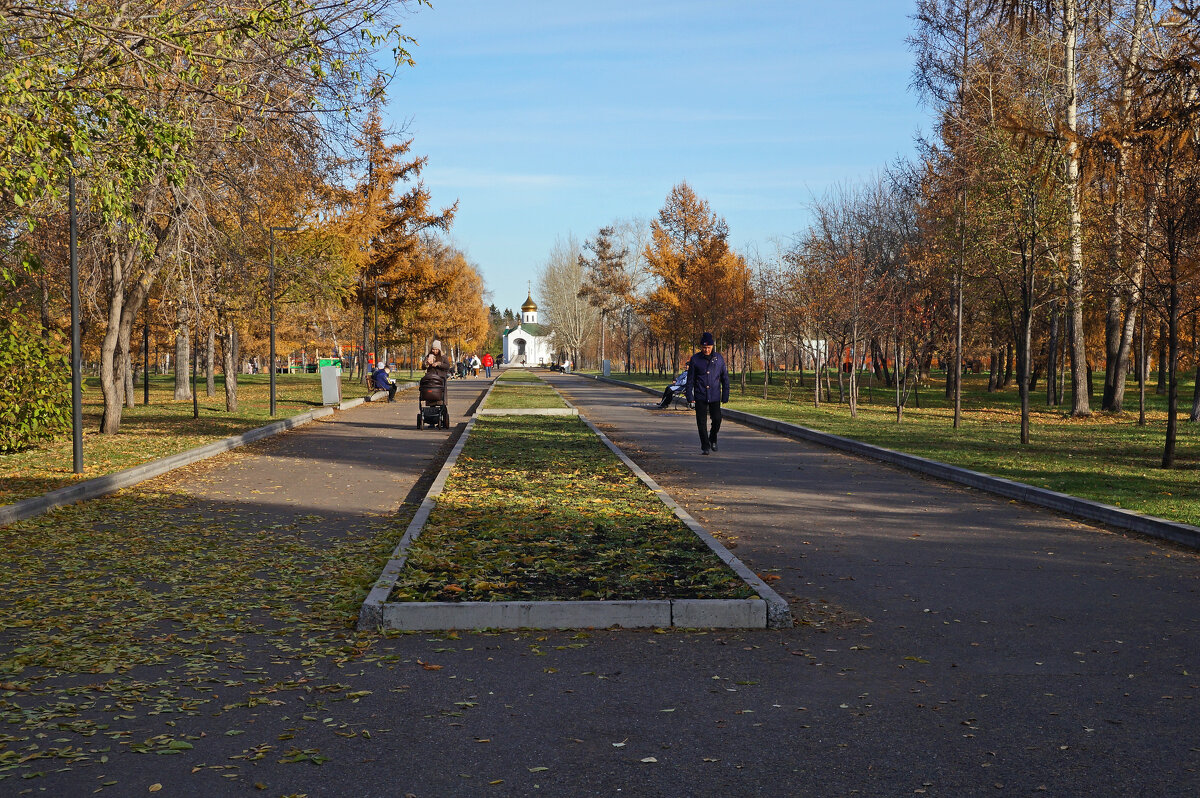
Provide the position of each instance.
(572, 319)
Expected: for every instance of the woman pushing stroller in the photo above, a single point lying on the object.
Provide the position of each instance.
(432, 409)
(436, 361)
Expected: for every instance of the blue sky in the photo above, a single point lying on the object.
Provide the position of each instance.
(549, 118)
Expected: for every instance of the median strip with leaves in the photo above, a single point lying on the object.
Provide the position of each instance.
(537, 508)
(518, 396)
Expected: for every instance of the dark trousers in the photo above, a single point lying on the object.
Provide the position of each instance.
(391, 389)
(704, 411)
(666, 397)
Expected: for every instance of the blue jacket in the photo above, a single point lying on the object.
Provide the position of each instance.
(707, 378)
(380, 378)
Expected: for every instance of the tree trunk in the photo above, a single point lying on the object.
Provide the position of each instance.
(1080, 405)
(119, 264)
(1052, 359)
(1118, 333)
(1168, 460)
(183, 353)
(1023, 362)
(229, 356)
(1160, 386)
(366, 326)
(124, 370)
(854, 371)
(1195, 414)
(210, 387)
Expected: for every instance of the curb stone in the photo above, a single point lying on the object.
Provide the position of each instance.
(768, 610)
(1087, 509)
(778, 615)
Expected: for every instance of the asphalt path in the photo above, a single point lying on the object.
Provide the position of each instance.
(948, 643)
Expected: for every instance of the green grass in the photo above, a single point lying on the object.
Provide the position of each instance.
(517, 396)
(162, 428)
(538, 508)
(516, 374)
(1106, 457)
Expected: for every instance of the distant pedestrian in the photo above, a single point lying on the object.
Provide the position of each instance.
(708, 387)
(488, 361)
(475, 364)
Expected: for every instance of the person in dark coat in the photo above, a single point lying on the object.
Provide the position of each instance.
(708, 387)
(384, 383)
(437, 362)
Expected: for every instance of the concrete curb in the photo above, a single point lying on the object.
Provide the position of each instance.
(110, 483)
(1107, 514)
(372, 615)
(378, 613)
(777, 616)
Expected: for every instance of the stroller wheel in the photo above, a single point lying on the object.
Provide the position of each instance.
(420, 419)
(445, 417)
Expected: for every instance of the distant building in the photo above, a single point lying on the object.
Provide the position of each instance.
(529, 342)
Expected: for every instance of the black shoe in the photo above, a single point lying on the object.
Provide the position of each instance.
(714, 445)
(704, 451)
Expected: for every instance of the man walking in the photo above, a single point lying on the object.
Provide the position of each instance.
(707, 386)
(488, 362)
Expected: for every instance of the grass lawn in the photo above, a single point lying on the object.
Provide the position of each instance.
(516, 374)
(517, 396)
(538, 508)
(1105, 457)
(162, 428)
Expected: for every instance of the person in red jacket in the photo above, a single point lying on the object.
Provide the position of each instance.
(488, 362)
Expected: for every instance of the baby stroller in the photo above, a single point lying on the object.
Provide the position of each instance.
(431, 405)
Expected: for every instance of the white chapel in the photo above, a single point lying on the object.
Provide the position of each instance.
(529, 342)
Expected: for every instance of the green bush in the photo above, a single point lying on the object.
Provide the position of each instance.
(35, 386)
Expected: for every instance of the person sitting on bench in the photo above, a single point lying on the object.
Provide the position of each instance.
(673, 389)
(384, 383)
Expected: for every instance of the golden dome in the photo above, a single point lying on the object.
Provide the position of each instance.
(530, 306)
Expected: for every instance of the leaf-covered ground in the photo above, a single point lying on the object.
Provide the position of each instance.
(122, 617)
(516, 396)
(537, 508)
(1106, 457)
(162, 428)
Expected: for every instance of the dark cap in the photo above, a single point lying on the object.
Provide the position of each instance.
(707, 340)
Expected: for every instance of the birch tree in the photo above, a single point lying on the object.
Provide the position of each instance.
(572, 319)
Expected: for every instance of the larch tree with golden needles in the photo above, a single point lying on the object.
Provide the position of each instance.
(385, 218)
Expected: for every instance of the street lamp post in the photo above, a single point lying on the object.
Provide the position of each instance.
(76, 349)
(378, 285)
(271, 289)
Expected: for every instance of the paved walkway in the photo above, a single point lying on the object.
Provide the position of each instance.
(952, 644)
